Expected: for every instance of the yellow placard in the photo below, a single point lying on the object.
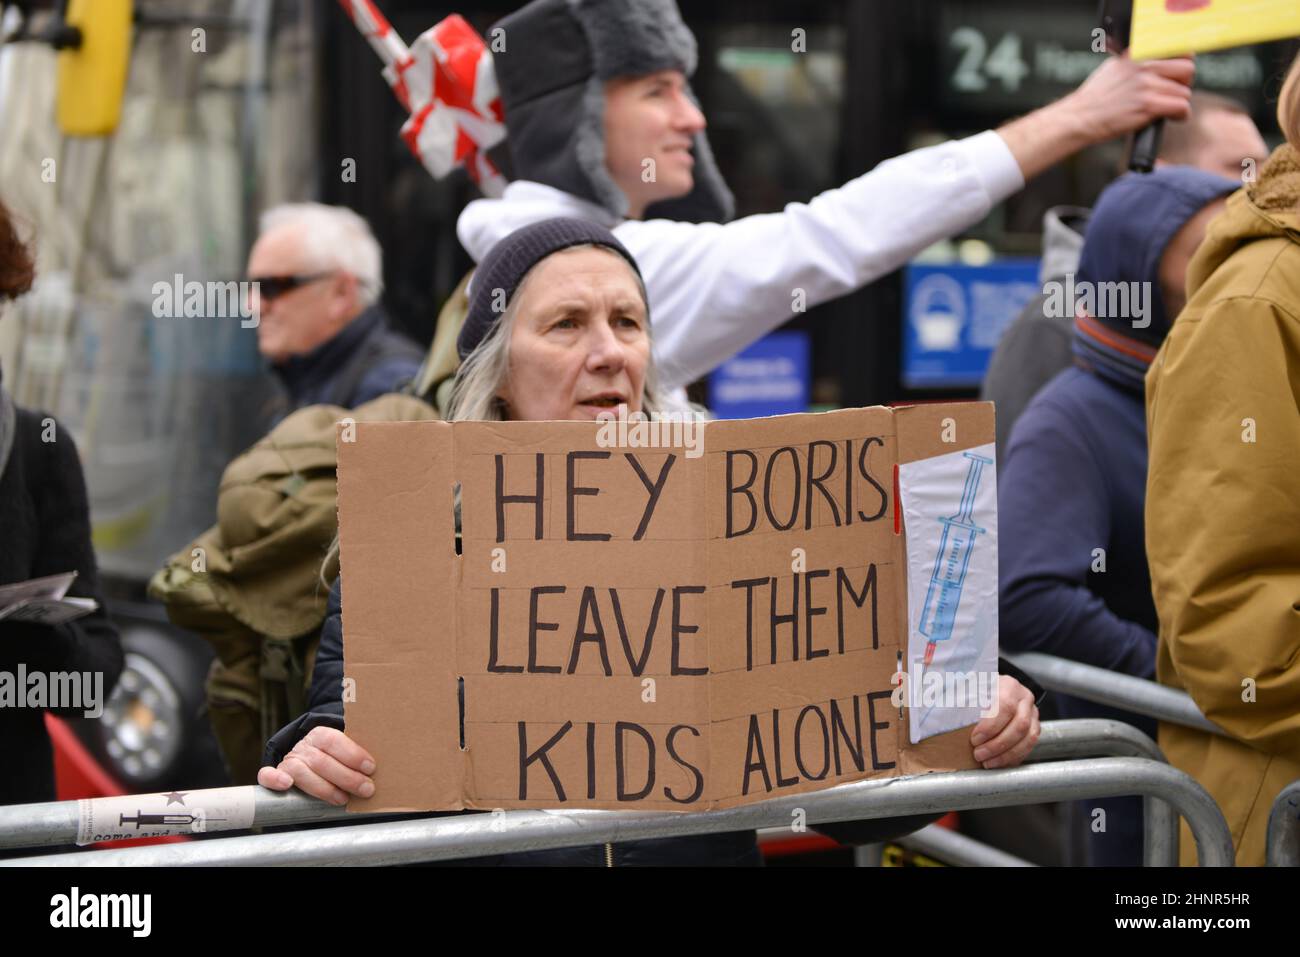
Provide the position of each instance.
(1174, 27)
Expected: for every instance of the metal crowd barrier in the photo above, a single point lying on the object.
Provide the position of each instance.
(1126, 692)
(1090, 737)
(1073, 738)
(942, 844)
(55, 823)
(1283, 848)
(952, 847)
(445, 838)
(1145, 697)
(1060, 740)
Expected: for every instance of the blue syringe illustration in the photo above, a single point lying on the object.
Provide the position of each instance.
(939, 613)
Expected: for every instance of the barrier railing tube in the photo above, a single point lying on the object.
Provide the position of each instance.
(445, 838)
(1283, 847)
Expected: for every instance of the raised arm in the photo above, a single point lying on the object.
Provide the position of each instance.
(716, 288)
(1120, 96)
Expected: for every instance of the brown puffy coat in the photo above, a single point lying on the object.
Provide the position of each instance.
(1223, 505)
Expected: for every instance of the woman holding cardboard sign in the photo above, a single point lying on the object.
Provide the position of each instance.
(558, 328)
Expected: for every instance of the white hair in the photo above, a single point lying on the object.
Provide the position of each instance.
(485, 370)
(333, 237)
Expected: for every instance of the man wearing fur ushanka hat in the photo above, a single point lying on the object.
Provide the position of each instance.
(552, 74)
(602, 125)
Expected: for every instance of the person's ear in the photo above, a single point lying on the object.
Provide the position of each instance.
(502, 394)
(345, 293)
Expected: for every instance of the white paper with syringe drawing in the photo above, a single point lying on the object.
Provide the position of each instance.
(950, 515)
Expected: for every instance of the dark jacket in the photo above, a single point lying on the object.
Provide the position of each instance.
(1073, 482)
(45, 529)
(1037, 345)
(740, 848)
(365, 360)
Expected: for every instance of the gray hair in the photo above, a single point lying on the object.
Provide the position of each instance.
(480, 377)
(334, 237)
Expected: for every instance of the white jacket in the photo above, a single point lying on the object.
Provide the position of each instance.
(715, 288)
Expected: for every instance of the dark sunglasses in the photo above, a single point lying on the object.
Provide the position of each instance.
(272, 287)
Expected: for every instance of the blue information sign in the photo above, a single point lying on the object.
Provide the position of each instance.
(771, 377)
(955, 314)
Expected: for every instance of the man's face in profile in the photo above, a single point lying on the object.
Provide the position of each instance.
(1230, 139)
(313, 307)
(650, 123)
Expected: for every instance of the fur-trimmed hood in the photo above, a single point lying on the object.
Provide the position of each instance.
(551, 69)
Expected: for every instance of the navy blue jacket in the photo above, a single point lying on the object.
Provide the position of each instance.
(365, 360)
(1074, 481)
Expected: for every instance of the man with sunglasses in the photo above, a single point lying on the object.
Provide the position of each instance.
(317, 275)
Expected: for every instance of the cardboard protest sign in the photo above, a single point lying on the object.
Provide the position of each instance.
(675, 616)
(1164, 28)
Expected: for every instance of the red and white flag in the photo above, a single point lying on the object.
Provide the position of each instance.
(446, 82)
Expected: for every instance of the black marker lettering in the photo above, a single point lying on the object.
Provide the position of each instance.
(755, 744)
(526, 759)
(494, 639)
(839, 731)
(534, 626)
(581, 636)
(636, 664)
(748, 584)
(695, 772)
(810, 611)
(843, 583)
(503, 499)
(679, 629)
(791, 619)
(781, 782)
(796, 485)
(866, 474)
(798, 743)
(655, 489)
(732, 489)
(573, 491)
(620, 770)
(872, 698)
(817, 480)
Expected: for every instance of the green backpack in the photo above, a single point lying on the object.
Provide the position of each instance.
(253, 585)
